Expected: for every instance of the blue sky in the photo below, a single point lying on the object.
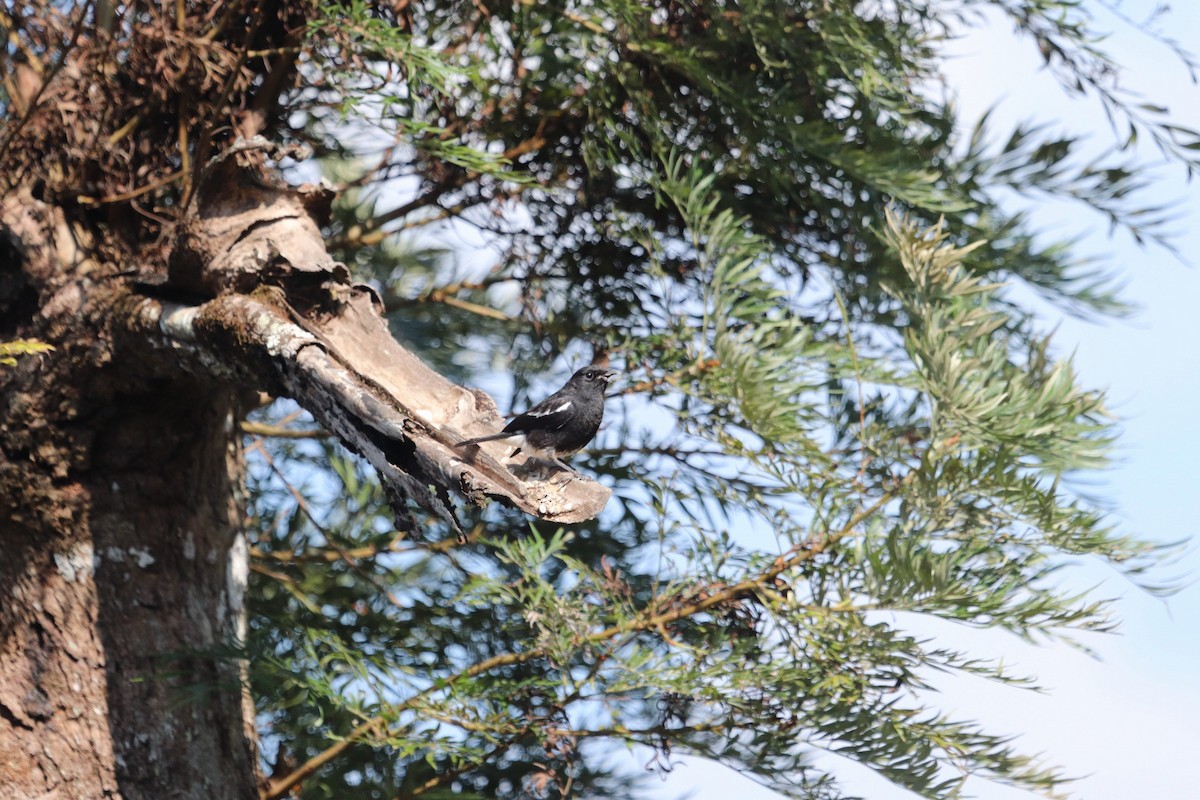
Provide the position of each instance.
(1126, 722)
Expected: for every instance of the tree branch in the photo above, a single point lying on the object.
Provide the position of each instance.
(287, 319)
(374, 395)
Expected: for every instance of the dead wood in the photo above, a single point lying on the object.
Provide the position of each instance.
(286, 318)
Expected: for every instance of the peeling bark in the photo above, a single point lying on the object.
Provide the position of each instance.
(287, 316)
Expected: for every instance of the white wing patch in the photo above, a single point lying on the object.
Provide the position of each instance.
(560, 408)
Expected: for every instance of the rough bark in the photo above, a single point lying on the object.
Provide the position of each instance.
(123, 565)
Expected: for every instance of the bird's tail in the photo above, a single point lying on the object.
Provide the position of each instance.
(493, 437)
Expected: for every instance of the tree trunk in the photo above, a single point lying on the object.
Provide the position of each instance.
(123, 564)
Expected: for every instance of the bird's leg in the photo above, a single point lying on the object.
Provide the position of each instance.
(569, 472)
(536, 465)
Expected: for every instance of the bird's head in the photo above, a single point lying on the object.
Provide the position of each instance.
(596, 375)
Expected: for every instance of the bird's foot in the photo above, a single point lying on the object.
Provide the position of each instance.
(534, 468)
(562, 479)
(565, 476)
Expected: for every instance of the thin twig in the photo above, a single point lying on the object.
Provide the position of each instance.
(475, 308)
(692, 370)
(318, 555)
(446, 295)
(138, 192)
(288, 584)
(358, 234)
(260, 442)
(280, 432)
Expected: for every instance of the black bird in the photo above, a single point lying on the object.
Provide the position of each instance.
(561, 424)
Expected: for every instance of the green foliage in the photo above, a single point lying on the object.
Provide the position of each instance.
(835, 418)
(10, 351)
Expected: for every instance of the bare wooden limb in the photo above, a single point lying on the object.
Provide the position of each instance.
(376, 397)
(286, 318)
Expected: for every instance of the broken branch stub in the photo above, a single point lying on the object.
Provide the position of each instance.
(287, 317)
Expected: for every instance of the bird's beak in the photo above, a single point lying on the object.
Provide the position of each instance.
(609, 375)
